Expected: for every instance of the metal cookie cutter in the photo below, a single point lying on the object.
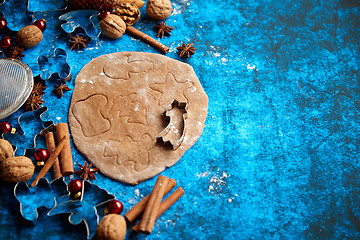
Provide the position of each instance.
(170, 134)
(34, 6)
(15, 21)
(55, 66)
(26, 138)
(87, 20)
(43, 194)
(54, 196)
(88, 208)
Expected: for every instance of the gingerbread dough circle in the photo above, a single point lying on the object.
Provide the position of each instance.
(123, 102)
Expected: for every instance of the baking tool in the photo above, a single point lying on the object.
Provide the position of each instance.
(43, 194)
(83, 19)
(54, 66)
(15, 21)
(165, 135)
(26, 141)
(46, 5)
(55, 196)
(16, 83)
(89, 208)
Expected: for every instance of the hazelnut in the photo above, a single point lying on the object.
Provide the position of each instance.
(130, 13)
(6, 150)
(158, 9)
(29, 36)
(16, 169)
(111, 227)
(113, 26)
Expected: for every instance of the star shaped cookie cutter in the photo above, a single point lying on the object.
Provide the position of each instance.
(164, 135)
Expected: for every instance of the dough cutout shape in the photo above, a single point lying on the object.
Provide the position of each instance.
(118, 109)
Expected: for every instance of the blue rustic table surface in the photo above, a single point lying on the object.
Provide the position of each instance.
(279, 155)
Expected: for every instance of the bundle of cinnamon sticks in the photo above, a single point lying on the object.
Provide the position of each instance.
(151, 207)
(60, 156)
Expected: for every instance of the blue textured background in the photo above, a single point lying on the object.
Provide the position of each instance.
(278, 158)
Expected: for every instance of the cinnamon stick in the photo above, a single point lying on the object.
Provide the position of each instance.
(146, 38)
(166, 204)
(65, 158)
(152, 207)
(138, 209)
(50, 143)
(51, 160)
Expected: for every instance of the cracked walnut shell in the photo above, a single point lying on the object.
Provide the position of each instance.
(130, 13)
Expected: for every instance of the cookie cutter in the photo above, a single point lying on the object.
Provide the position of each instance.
(55, 197)
(22, 137)
(15, 21)
(57, 5)
(38, 196)
(54, 66)
(90, 194)
(163, 135)
(75, 19)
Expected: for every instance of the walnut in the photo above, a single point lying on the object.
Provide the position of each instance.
(16, 169)
(111, 227)
(130, 13)
(113, 26)
(29, 36)
(158, 9)
(6, 150)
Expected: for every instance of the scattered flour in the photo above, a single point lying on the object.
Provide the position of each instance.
(218, 182)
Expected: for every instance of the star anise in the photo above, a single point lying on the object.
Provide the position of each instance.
(86, 171)
(186, 51)
(15, 52)
(78, 42)
(33, 102)
(162, 29)
(38, 89)
(60, 89)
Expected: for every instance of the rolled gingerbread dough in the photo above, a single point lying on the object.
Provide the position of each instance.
(119, 106)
